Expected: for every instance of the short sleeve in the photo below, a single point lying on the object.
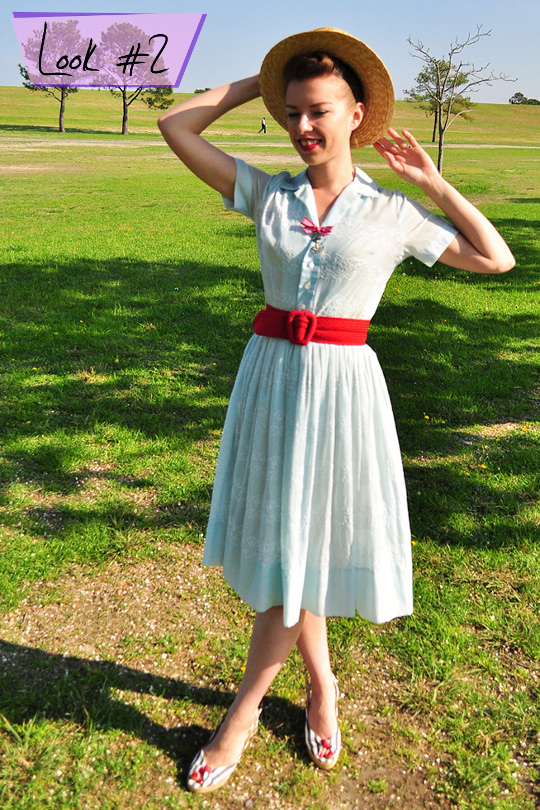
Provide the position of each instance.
(249, 189)
(425, 235)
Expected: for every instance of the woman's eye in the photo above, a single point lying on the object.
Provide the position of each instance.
(292, 115)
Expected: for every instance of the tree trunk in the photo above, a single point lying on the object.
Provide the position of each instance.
(63, 94)
(441, 151)
(435, 126)
(125, 112)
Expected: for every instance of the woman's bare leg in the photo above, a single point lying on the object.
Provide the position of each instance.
(313, 645)
(269, 648)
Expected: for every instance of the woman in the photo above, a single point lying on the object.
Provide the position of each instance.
(309, 514)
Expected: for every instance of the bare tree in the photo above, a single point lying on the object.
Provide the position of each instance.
(445, 83)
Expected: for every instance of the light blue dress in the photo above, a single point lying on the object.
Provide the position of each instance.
(309, 507)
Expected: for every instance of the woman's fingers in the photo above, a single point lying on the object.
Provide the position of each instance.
(388, 146)
(398, 140)
(402, 142)
(412, 140)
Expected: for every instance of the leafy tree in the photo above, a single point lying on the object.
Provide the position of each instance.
(202, 90)
(427, 89)
(519, 98)
(444, 83)
(156, 98)
(62, 38)
(119, 39)
(59, 93)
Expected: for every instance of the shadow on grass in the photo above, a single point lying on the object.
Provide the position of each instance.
(118, 350)
(444, 364)
(448, 373)
(39, 129)
(90, 329)
(111, 355)
(38, 684)
(523, 238)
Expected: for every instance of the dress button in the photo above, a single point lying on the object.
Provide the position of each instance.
(307, 285)
(311, 265)
(302, 306)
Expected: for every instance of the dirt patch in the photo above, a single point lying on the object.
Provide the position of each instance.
(266, 158)
(37, 145)
(164, 621)
(291, 159)
(497, 430)
(42, 167)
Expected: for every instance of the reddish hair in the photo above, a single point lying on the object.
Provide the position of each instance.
(319, 63)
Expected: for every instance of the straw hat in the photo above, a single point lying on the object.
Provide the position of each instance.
(378, 89)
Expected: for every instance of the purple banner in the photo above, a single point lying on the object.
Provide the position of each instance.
(106, 50)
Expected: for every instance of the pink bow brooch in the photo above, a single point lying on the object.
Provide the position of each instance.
(310, 228)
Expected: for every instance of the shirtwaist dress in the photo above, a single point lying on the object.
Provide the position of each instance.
(309, 506)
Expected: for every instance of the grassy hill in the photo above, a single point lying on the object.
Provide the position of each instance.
(98, 113)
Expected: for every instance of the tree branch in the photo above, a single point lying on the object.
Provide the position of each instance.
(445, 83)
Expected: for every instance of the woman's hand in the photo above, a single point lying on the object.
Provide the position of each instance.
(478, 247)
(407, 158)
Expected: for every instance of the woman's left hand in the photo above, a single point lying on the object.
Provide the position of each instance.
(407, 158)
(478, 247)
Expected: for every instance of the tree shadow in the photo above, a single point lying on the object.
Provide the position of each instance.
(448, 373)
(97, 347)
(451, 509)
(36, 129)
(430, 350)
(523, 238)
(86, 337)
(91, 327)
(525, 200)
(39, 684)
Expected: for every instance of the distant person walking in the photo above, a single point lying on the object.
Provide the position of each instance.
(263, 126)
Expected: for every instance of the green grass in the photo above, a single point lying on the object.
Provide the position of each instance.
(98, 113)
(127, 294)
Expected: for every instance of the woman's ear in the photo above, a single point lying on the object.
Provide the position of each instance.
(357, 115)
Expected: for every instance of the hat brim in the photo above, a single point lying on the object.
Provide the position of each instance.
(376, 81)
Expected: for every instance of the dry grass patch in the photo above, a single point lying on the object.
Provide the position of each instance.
(174, 640)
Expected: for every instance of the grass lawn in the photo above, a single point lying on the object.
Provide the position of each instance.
(126, 298)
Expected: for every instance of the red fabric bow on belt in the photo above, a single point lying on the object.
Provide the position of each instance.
(310, 227)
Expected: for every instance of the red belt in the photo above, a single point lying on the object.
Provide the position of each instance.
(300, 326)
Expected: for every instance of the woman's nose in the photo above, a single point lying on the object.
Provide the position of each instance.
(303, 123)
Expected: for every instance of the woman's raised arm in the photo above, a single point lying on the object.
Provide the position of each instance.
(478, 247)
(182, 126)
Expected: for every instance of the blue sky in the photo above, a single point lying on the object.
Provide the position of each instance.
(236, 35)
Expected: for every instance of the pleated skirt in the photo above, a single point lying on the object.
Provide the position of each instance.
(309, 507)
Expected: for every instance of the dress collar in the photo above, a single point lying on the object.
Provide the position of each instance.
(362, 183)
(361, 186)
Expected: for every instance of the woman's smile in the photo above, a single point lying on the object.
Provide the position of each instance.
(308, 144)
